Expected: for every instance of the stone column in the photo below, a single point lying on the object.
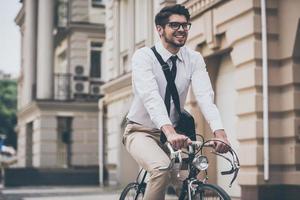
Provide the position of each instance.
(29, 51)
(150, 23)
(131, 30)
(45, 50)
(116, 39)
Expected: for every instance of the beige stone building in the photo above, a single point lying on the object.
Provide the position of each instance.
(230, 36)
(59, 85)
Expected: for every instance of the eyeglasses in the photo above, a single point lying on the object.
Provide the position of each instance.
(176, 25)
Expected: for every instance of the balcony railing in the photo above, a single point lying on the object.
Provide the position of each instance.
(62, 89)
(197, 7)
(62, 10)
(69, 87)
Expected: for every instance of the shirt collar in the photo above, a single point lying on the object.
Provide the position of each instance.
(165, 54)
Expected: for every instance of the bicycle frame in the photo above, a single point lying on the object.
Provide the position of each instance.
(193, 150)
(190, 180)
(194, 171)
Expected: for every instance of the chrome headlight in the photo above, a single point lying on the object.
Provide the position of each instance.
(201, 162)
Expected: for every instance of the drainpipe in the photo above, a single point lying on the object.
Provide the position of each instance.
(101, 143)
(265, 89)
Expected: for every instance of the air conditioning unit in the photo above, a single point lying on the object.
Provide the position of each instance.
(80, 87)
(79, 70)
(95, 90)
(79, 74)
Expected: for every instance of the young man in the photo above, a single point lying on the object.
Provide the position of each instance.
(148, 115)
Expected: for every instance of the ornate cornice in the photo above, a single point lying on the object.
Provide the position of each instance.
(51, 105)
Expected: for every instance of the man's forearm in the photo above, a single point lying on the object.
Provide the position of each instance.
(168, 130)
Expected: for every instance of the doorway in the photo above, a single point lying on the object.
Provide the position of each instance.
(64, 137)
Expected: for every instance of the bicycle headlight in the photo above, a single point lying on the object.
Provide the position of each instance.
(201, 162)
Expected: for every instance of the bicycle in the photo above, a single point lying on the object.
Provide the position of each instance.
(192, 188)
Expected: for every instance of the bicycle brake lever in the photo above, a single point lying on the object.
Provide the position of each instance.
(228, 172)
(234, 167)
(234, 176)
(174, 155)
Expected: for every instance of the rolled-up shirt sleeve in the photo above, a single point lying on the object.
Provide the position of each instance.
(204, 94)
(146, 88)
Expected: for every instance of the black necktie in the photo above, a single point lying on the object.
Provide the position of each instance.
(173, 73)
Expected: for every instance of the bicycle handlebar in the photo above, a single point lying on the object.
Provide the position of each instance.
(234, 161)
(175, 157)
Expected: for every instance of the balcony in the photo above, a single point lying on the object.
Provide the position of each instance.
(62, 13)
(198, 7)
(68, 87)
(62, 87)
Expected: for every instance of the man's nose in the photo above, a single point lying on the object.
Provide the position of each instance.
(181, 28)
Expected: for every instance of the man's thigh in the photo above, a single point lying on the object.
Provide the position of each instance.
(146, 151)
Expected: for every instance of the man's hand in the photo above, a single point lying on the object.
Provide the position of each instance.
(177, 140)
(219, 146)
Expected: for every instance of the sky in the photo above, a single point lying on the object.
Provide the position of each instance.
(9, 37)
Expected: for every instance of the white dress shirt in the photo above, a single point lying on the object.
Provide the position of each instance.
(149, 87)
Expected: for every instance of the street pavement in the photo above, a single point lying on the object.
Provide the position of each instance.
(63, 193)
(60, 193)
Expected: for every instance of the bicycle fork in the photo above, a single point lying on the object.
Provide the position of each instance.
(191, 189)
(188, 188)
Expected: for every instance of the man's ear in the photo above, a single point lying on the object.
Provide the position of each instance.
(159, 30)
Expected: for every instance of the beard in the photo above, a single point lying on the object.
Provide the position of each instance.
(172, 39)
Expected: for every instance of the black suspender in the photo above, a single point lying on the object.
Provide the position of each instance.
(170, 82)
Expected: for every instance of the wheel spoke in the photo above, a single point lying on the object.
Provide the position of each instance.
(210, 192)
(130, 192)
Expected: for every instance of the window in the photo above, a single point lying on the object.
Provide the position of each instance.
(64, 129)
(97, 3)
(95, 60)
(29, 143)
(62, 13)
(125, 64)
(64, 135)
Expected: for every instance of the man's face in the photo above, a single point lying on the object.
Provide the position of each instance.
(175, 31)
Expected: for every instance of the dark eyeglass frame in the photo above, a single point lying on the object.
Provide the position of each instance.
(176, 25)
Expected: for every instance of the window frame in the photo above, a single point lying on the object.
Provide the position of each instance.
(90, 49)
(96, 4)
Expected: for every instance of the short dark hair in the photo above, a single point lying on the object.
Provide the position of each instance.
(162, 18)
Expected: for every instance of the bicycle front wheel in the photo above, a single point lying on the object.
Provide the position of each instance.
(210, 192)
(132, 192)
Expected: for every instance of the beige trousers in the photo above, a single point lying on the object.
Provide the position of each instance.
(144, 146)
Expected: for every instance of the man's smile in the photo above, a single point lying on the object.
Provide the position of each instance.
(180, 36)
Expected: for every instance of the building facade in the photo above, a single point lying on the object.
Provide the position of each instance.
(59, 83)
(229, 36)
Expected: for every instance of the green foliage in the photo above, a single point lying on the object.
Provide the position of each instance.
(8, 109)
